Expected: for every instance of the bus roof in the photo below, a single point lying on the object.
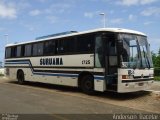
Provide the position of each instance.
(116, 30)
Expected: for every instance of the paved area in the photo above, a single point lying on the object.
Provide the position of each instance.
(37, 98)
(156, 86)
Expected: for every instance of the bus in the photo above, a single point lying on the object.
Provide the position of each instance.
(104, 59)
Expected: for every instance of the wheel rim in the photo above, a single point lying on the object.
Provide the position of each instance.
(88, 85)
(21, 78)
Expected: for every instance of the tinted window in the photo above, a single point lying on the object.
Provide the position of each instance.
(22, 50)
(49, 48)
(85, 43)
(18, 51)
(112, 53)
(28, 49)
(13, 51)
(34, 49)
(66, 45)
(8, 52)
(99, 52)
(37, 49)
(40, 49)
(111, 44)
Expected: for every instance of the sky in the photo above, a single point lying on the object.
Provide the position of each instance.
(24, 20)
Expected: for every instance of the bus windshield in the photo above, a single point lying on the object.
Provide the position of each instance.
(136, 53)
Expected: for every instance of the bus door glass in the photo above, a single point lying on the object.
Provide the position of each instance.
(111, 61)
(99, 52)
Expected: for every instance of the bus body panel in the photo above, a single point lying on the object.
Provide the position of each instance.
(99, 81)
(54, 73)
(138, 80)
(59, 79)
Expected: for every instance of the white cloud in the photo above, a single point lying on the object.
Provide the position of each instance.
(127, 2)
(116, 21)
(148, 23)
(89, 14)
(7, 11)
(143, 2)
(135, 2)
(35, 12)
(58, 8)
(151, 11)
(132, 17)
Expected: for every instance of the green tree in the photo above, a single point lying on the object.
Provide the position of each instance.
(159, 52)
(153, 57)
(157, 61)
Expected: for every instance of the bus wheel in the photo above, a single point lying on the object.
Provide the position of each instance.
(87, 84)
(20, 77)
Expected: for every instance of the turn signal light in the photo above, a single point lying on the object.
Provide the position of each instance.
(127, 77)
(124, 76)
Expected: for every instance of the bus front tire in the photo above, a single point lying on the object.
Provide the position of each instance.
(20, 77)
(87, 84)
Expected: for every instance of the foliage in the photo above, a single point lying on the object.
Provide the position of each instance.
(156, 63)
(156, 59)
(157, 71)
(157, 78)
(1, 75)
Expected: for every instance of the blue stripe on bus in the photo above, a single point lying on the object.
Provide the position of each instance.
(17, 63)
(62, 75)
(99, 78)
(48, 74)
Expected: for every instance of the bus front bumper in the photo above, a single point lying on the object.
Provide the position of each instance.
(135, 85)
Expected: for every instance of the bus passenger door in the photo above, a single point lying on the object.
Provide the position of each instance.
(111, 61)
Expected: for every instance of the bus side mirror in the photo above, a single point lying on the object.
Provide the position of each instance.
(120, 46)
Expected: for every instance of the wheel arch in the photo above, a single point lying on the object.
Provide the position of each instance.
(81, 75)
(18, 71)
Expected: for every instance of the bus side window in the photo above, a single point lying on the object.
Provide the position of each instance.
(40, 49)
(60, 47)
(34, 49)
(18, 51)
(13, 51)
(66, 45)
(22, 50)
(85, 43)
(8, 52)
(49, 47)
(37, 49)
(28, 49)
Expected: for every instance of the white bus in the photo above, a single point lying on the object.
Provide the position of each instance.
(105, 59)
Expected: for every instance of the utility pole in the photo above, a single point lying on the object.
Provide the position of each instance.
(104, 19)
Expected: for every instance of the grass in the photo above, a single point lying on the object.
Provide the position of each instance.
(1, 75)
(157, 78)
